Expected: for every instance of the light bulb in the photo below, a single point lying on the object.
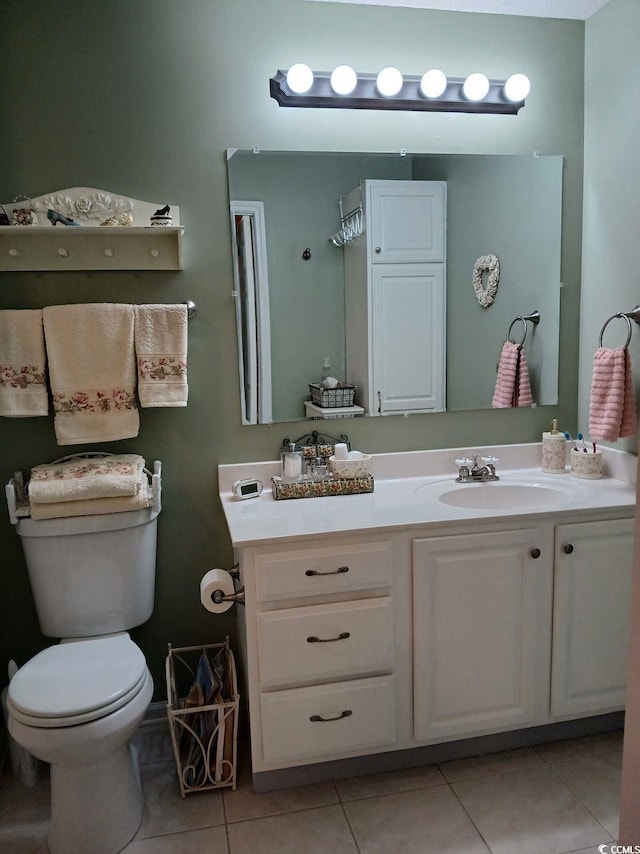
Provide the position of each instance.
(476, 87)
(343, 80)
(433, 83)
(389, 81)
(517, 87)
(299, 78)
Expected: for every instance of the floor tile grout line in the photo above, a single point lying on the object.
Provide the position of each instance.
(467, 813)
(586, 807)
(351, 830)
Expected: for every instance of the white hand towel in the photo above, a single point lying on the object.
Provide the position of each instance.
(114, 476)
(92, 372)
(161, 352)
(23, 387)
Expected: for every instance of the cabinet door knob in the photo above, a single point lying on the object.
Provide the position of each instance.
(341, 636)
(535, 553)
(378, 250)
(568, 549)
(345, 714)
(337, 571)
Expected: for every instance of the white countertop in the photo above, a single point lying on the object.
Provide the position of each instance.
(407, 491)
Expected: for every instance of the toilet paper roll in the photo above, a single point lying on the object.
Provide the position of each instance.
(212, 581)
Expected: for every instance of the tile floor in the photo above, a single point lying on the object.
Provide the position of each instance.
(551, 799)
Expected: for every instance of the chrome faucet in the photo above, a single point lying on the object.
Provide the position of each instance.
(469, 471)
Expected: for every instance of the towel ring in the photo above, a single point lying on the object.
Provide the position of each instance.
(534, 317)
(613, 317)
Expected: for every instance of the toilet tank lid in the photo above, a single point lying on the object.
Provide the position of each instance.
(76, 677)
(28, 527)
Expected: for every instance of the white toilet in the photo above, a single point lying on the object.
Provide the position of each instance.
(77, 704)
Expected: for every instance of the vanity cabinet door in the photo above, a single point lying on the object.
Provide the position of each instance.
(592, 594)
(407, 221)
(482, 628)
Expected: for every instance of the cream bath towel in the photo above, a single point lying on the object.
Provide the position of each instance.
(161, 353)
(92, 506)
(92, 372)
(116, 476)
(23, 388)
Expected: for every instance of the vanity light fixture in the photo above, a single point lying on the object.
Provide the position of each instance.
(391, 90)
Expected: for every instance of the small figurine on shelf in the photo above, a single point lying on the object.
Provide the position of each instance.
(54, 217)
(162, 216)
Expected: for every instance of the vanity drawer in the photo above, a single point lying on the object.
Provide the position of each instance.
(319, 571)
(346, 639)
(316, 722)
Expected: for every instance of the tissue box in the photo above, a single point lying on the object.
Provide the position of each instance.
(344, 395)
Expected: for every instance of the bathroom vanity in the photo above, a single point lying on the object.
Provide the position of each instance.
(380, 627)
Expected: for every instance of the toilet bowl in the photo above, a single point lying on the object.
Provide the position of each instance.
(76, 705)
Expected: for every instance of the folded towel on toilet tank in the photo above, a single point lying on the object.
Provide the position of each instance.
(92, 506)
(81, 479)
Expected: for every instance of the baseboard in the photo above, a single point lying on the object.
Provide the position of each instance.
(156, 714)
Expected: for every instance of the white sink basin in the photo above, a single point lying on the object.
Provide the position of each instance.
(512, 494)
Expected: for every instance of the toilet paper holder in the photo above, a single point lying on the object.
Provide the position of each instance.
(219, 596)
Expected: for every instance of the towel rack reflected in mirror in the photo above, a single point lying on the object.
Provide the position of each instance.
(534, 318)
(634, 315)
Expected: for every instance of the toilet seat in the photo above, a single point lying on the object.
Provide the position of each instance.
(77, 681)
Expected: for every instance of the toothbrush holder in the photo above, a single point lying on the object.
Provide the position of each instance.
(587, 465)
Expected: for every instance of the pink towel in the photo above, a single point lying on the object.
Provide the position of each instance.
(612, 414)
(513, 387)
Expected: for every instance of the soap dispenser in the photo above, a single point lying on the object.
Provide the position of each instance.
(326, 369)
(554, 450)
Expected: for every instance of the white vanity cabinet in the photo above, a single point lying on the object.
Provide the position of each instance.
(395, 284)
(481, 631)
(320, 651)
(592, 596)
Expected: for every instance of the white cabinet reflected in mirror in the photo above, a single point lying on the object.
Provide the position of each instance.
(290, 276)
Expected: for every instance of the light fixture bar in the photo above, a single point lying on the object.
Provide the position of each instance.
(365, 96)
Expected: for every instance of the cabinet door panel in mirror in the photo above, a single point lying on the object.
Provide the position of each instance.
(505, 205)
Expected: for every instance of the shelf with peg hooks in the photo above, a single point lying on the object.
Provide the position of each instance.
(128, 242)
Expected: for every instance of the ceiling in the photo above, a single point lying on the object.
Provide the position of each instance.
(577, 9)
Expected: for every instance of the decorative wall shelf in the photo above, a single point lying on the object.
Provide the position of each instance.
(91, 245)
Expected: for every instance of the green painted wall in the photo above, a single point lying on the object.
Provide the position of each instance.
(610, 278)
(143, 97)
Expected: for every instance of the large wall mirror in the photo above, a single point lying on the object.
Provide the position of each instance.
(290, 281)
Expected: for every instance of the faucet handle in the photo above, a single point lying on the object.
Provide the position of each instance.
(490, 460)
(464, 461)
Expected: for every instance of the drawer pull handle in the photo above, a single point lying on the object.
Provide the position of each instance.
(345, 714)
(337, 571)
(341, 636)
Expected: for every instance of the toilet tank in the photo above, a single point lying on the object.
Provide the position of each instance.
(91, 575)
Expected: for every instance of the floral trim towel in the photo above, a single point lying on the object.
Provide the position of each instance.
(23, 385)
(114, 476)
(612, 413)
(92, 372)
(161, 352)
(513, 387)
(92, 506)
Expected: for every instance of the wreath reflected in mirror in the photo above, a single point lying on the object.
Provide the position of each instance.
(486, 264)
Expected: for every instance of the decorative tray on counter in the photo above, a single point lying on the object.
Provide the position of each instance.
(320, 488)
